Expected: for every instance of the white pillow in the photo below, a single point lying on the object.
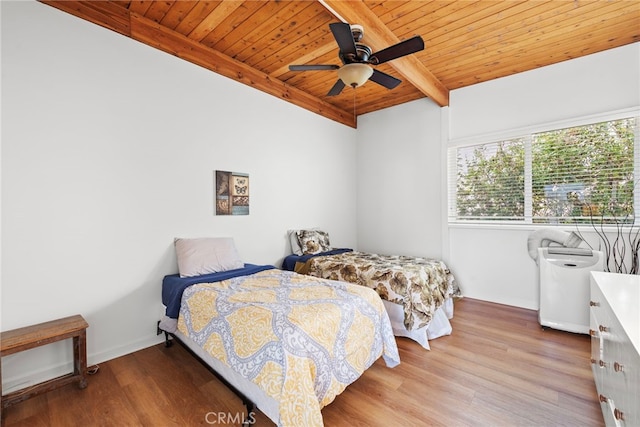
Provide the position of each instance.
(206, 255)
(293, 239)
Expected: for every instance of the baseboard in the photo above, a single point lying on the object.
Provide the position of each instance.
(36, 376)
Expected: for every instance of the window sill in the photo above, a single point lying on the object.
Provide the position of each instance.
(532, 227)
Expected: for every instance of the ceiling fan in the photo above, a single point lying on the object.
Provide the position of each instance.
(357, 59)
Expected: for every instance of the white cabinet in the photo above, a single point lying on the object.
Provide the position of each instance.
(615, 346)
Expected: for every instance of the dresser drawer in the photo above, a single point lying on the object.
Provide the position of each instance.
(614, 304)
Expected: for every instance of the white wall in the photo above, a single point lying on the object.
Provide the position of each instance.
(108, 153)
(399, 180)
(590, 85)
(492, 263)
(401, 166)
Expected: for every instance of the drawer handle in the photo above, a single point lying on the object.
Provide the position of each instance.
(603, 328)
(603, 398)
(602, 363)
(594, 304)
(618, 367)
(593, 361)
(592, 332)
(618, 414)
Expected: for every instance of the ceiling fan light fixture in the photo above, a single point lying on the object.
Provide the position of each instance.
(355, 74)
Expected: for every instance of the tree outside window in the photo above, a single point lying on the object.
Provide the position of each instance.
(576, 174)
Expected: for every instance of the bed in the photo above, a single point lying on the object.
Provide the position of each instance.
(287, 343)
(418, 293)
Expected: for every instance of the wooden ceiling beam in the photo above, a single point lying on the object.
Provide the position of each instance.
(106, 14)
(113, 16)
(378, 36)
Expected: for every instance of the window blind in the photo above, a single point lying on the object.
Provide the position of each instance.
(561, 176)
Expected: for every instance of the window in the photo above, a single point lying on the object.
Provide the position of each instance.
(563, 176)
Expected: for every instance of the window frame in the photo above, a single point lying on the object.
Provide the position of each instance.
(527, 135)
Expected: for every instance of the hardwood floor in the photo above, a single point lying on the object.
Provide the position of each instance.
(498, 368)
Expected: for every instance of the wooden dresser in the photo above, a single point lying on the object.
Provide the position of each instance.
(615, 346)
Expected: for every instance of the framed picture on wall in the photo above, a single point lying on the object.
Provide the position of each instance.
(232, 193)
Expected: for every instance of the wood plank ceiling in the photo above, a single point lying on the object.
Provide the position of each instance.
(466, 41)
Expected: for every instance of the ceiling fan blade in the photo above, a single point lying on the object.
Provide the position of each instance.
(337, 88)
(312, 67)
(384, 79)
(412, 45)
(344, 38)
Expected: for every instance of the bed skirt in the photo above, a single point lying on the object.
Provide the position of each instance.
(439, 325)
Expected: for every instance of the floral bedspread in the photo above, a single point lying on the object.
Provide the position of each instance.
(420, 285)
(301, 339)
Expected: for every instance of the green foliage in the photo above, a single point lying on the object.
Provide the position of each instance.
(577, 173)
(493, 183)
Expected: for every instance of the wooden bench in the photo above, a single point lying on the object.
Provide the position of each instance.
(29, 337)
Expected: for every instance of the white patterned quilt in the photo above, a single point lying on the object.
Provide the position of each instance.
(301, 339)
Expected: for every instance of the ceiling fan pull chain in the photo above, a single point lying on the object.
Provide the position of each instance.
(355, 118)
